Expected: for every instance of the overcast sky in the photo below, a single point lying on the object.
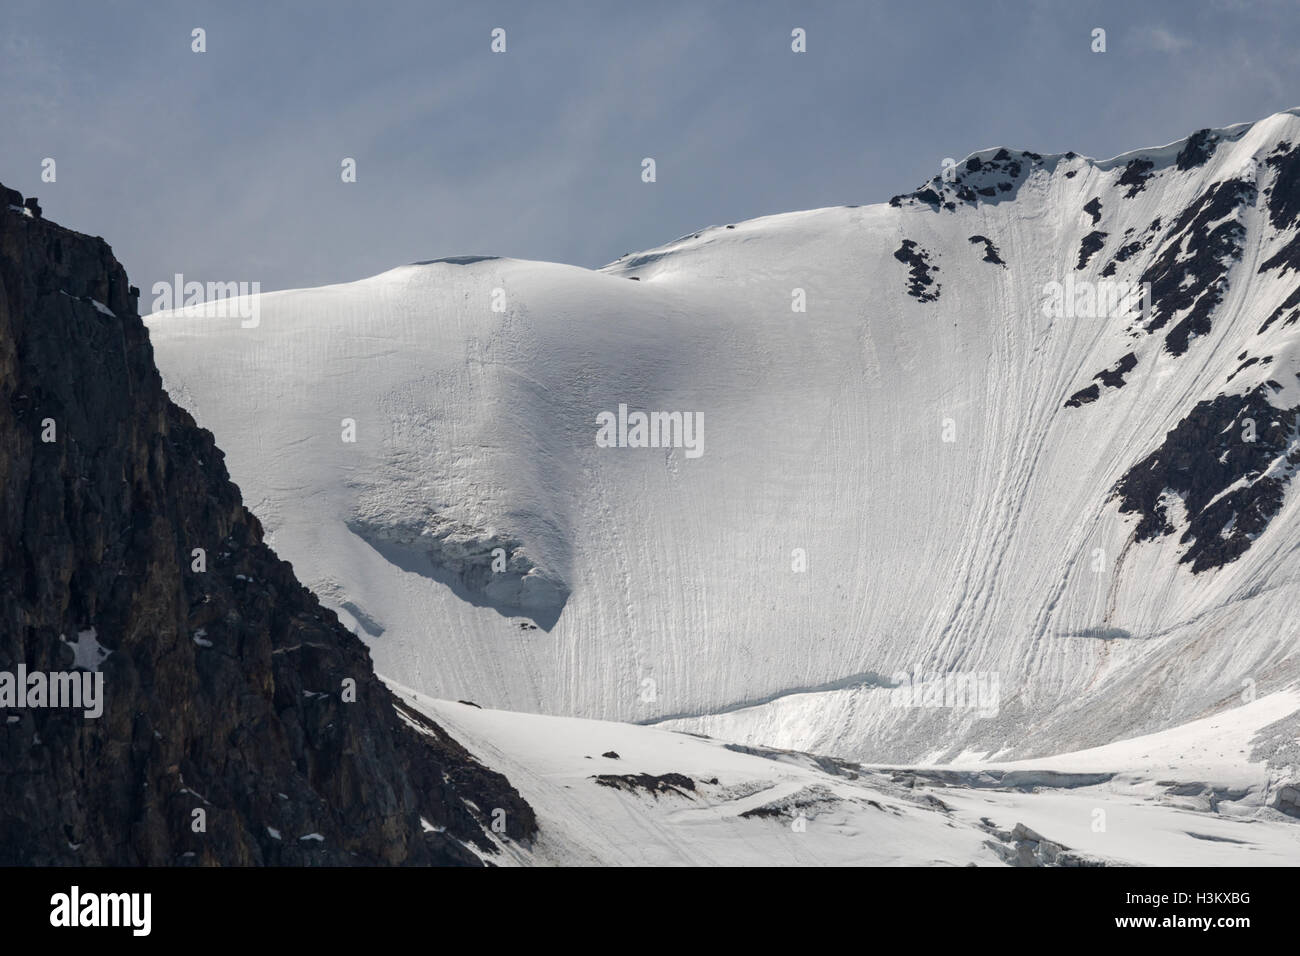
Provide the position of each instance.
(225, 165)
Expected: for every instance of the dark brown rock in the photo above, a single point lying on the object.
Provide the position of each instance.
(223, 688)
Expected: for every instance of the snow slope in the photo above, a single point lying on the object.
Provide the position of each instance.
(749, 806)
(922, 435)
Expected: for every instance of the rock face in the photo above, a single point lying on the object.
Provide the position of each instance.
(227, 688)
(1228, 462)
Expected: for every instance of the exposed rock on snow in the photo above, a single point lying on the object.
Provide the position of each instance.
(920, 278)
(1230, 488)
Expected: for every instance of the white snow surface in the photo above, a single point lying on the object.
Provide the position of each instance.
(663, 584)
(1119, 805)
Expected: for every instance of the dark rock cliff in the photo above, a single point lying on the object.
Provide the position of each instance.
(224, 689)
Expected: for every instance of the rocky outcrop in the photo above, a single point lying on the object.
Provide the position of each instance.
(1189, 276)
(653, 784)
(991, 253)
(920, 278)
(241, 723)
(1112, 377)
(1227, 463)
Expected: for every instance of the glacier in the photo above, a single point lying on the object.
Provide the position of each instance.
(912, 465)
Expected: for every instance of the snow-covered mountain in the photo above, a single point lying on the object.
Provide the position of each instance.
(941, 444)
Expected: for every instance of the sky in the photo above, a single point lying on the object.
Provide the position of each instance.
(225, 165)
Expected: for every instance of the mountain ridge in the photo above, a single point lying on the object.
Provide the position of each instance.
(239, 723)
(945, 453)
